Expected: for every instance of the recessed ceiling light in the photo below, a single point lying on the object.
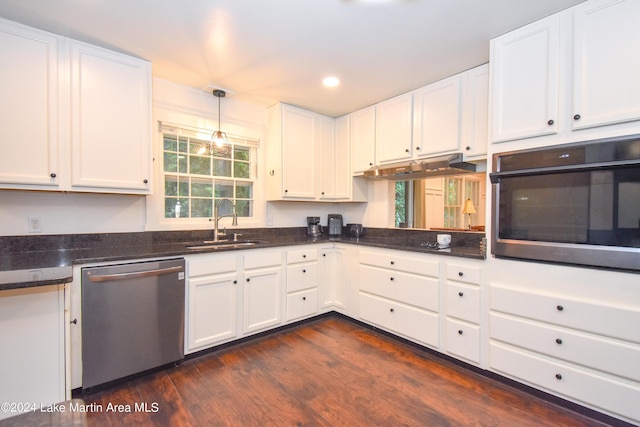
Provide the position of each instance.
(331, 81)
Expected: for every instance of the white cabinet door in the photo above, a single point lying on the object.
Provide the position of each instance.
(394, 119)
(525, 68)
(298, 153)
(333, 278)
(437, 117)
(262, 295)
(29, 107)
(342, 171)
(32, 333)
(363, 139)
(326, 162)
(212, 310)
(606, 87)
(475, 112)
(111, 121)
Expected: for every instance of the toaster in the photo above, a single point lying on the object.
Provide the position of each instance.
(334, 224)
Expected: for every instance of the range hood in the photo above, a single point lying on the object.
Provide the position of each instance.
(451, 164)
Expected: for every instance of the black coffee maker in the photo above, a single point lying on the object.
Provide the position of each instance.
(314, 229)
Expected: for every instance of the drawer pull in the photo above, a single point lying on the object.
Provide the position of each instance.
(391, 279)
(248, 279)
(304, 298)
(235, 282)
(391, 310)
(304, 256)
(393, 262)
(304, 271)
(459, 331)
(460, 273)
(558, 376)
(559, 307)
(460, 294)
(558, 341)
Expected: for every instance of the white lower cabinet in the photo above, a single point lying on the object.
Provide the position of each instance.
(212, 296)
(302, 282)
(399, 292)
(584, 350)
(32, 360)
(262, 287)
(302, 304)
(332, 262)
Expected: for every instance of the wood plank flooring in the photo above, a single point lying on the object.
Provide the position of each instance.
(328, 372)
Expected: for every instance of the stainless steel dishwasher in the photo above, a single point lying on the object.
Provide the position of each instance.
(132, 319)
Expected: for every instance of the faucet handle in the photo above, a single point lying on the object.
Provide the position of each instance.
(235, 236)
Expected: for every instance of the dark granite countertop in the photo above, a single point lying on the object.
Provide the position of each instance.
(28, 262)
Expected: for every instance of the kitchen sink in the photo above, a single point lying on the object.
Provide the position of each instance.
(225, 244)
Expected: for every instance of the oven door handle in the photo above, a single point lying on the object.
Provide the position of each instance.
(495, 177)
(132, 275)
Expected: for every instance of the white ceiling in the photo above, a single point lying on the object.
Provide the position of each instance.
(265, 51)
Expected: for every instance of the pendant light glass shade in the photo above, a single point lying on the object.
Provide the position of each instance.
(219, 139)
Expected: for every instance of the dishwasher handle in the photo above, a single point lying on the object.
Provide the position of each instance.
(132, 275)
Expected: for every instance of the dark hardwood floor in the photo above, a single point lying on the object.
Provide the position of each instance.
(328, 372)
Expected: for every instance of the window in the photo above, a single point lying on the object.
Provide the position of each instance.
(194, 179)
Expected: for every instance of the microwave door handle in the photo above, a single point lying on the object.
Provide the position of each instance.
(496, 176)
(132, 275)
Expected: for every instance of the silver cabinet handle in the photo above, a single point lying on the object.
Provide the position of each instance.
(133, 275)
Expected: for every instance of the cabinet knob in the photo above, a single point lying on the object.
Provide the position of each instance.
(576, 117)
(322, 193)
(558, 341)
(391, 279)
(324, 254)
(417, 148)
(248, 279)
(550, 122)
(459, 331)
(370, 164)
(53, 175)
(467, 148)
(406, 150)
(304, 271)
(236, 282)
(391, 310)
(559, 308)
(393, 262)
(304, 298)
(304, 255)
(286, 191)
(74, 321)
(558, 376)
(460, 273)
(146, 181)
(460, 294)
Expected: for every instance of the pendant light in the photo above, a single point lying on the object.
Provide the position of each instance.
(219, 138)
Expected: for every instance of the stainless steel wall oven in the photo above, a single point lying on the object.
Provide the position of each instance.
(577, 203)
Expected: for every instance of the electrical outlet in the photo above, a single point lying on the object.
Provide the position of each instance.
(35, 225)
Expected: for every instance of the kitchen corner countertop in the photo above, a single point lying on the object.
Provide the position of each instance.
(32, 268)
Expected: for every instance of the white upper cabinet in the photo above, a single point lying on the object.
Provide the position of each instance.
(475, 112)
(394, 119)
(80, 119)
(524, 72)
(334, 156)
(571, 76)
(436, 127)
(29, 111)
(292, 143)
(606, 69)
(111, 120)
(363, 139)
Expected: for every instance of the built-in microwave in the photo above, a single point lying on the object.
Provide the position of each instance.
(576, 203)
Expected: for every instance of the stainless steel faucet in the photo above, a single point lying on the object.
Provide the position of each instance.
(217, 218)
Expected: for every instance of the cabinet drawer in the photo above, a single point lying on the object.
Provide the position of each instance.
(203, 265)
(409, 322)
(597, 353)
(302, 255)
(616, 322)
(565, 380)
(262, 258)
(302, 276)
(401, 262)
(407, 288)
(463, 340)
(463, 302)
(302, 304)
(463, 273)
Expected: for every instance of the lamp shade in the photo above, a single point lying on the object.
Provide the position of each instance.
(468, 207)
